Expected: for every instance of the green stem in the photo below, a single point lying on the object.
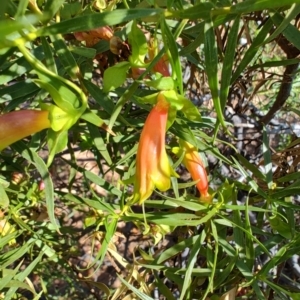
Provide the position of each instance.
(126, 4)
(20, 43)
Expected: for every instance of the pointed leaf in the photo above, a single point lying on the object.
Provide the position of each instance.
(211, 67)
(57, 142)
(139, 47)
(115, 76)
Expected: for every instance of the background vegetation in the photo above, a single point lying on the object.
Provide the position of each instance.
(64, 234)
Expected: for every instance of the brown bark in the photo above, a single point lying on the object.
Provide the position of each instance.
(288, 77)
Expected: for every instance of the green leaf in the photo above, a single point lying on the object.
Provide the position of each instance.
(92, 118)
(57, 142)
(63, 97)
(211, 68)
(45, 175)
(11, 256)
(279, 225)
(100, 97)
(96, 203)
(291, 32)
(115, 76)
(137, 292)
(198, 11)
(8, 7)
(49, 57)
(8, 275)
(214, 258)
(207, 9)
(139, 46)
(291, 190)
(100, 144)
(4, 200)
(228, 62)
(172, 51)
(19, 66)
(179, 102)
(68, 10)
(199, 40)
(238, 234)
(250, 181)
(8, 28)
(164, 290)
(251, 167)
(20, 277)
(91, 21)
(278, 63)
(65, 56)
(293, 12)
(249, 247)
(162, 84)
(82, 51)
(249, 6)
(253, 49)
(267, 159)
(191, 263)
(52, 7)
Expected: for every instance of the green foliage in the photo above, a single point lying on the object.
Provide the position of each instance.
(44, 66)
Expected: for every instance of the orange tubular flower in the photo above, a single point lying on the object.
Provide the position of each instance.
(195, 166)
(153, 169)
(16, 125)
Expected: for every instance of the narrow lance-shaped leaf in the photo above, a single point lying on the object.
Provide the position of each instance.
(65, 56)
(171, 46)
(249, 242)
(267, 159)
(139, 47)
(57, 142)
(292, 13)
(52, 7)
(49, 58)
(211, 67)
(191, 263)
(252, 51)
(249, 6)
(4, 200)
(228, 61)
(205, 10)
(43, 170)
(91, 21)
(291, 32)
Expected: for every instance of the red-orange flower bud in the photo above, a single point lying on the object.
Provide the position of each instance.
(16, 125)
(193, 162)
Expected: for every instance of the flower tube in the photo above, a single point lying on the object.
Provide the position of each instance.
(195, 166)
(153, 169)
(16, 125)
